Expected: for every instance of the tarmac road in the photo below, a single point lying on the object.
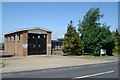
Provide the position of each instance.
(102, 70)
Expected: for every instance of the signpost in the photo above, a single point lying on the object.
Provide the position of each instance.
(102, 52)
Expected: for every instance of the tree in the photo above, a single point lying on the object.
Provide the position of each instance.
(106, 39)
(1, 46)
(72, 44)
(94, 35)
(118, 41)
(116, 36)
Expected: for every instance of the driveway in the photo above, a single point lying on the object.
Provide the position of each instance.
(38, 62)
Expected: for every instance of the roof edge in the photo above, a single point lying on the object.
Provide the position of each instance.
(27, 29)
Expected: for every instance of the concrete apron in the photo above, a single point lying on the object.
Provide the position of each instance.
(17, 64)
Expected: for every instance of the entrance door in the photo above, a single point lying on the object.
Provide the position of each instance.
(36, 44)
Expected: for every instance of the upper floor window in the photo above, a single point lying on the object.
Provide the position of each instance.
(13, 37)
(10, 38)
(6, 39)
(18, 37)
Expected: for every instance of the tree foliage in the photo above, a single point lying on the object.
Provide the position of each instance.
(94, 34)
(116, 36)
(1, 46)
(72, 44)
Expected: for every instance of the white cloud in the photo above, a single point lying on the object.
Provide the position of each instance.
(56, 35)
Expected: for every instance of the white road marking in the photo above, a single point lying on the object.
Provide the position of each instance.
(94, 74)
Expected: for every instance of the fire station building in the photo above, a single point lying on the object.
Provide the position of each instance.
(33, 41)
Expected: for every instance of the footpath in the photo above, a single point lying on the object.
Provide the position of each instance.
(39, 62)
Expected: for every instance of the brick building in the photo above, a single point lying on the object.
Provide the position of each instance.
(57, 46)
(34, 41)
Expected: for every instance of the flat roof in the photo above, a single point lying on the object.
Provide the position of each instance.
(57, 40)
(27, 29)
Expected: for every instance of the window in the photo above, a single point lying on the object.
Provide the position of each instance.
(38, 36)
(33, 46)
(18, 37)
(29, 44)
(59, 45)
(6, 39)
(14, 38)
(33, 37)
(44, 36)
(10, 38)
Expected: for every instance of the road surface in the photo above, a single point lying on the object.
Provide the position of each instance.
(103, 70)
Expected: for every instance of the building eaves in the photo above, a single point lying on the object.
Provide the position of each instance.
(27, 29)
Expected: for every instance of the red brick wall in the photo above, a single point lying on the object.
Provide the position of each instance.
(48, 45)
(16, 47)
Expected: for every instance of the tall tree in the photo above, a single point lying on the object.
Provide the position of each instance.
(72, 44)
(94, 35)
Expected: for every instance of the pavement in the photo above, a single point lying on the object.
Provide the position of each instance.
(1, 63)
(3, 54)
(109, 71)
(39, 62)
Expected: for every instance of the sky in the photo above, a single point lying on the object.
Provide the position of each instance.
(54, 16)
